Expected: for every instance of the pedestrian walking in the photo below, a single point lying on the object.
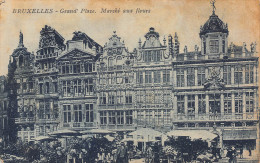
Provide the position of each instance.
(249, 150)
(241, 152)
(234, 155)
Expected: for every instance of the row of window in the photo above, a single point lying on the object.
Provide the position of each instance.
(154, 117)
(226, 73)
(119, 97)
(116, 117)
(150, 97)
(48, 87)
(78, 113)
(76, 68)
(153, 76)
(154, 55)
(78, 87)
(215, 103)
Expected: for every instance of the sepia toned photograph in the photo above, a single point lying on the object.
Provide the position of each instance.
(128, 81)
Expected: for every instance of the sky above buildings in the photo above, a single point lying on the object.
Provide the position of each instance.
(167, 17)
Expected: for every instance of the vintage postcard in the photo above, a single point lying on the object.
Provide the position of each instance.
(129, 81)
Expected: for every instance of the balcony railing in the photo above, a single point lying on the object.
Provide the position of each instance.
(215, 117)
(24, 120)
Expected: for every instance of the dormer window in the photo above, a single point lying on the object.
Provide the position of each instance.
(214, 46)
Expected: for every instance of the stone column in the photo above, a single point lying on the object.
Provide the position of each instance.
(185, 77)
(244, 105)
(196, 76)
(232, 75)
(174, 78)
(186, 105)
(207, 105)
(196, 106)
(222, 104)
(233, 104)
(124, 118)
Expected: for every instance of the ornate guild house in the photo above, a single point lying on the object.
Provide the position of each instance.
(81, 85)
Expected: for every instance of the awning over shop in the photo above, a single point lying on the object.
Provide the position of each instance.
(44, 138)
(239, 134)
(193, 134)
(97, 131)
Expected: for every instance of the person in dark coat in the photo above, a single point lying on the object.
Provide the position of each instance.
(230, 155)
(241, 152)
(122, 154)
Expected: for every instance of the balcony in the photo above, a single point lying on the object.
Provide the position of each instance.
(46, 56)
(24, 120)
(79, 125)
(215, 117)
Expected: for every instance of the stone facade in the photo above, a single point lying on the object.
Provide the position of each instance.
(81, 85)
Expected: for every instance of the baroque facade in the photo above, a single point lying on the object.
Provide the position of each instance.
(81, 85)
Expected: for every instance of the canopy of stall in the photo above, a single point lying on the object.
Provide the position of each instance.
(193, 134)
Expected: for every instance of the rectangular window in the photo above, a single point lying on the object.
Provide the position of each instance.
(166, 76)
(119, 97)
(66, 114)
(180, 104)
(128, 98)
(111, 98)
(112, 117)
(249, 72)
(202, 104)
(190, 77)
(214, 46)
(139, 77)
(238, 103)
(89, 86)
(102, 98)
(191, 104)
(227, 74)
(156, 56)
(157, 76)
(47, 87)
(76, 68)
(238, 74)
(89, 113)
(250, 102)
(103, 117)
(180, 77)
(214, 103)
(41, 88)
(148, 76)
(129, 117)
(227, 103)
(77, 113)
(120, 117)
(66, 88)
(201, 76)
(77, 87)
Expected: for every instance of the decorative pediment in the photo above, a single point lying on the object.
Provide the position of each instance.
(75, 54)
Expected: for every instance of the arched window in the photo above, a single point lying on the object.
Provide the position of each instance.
(20, 60)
